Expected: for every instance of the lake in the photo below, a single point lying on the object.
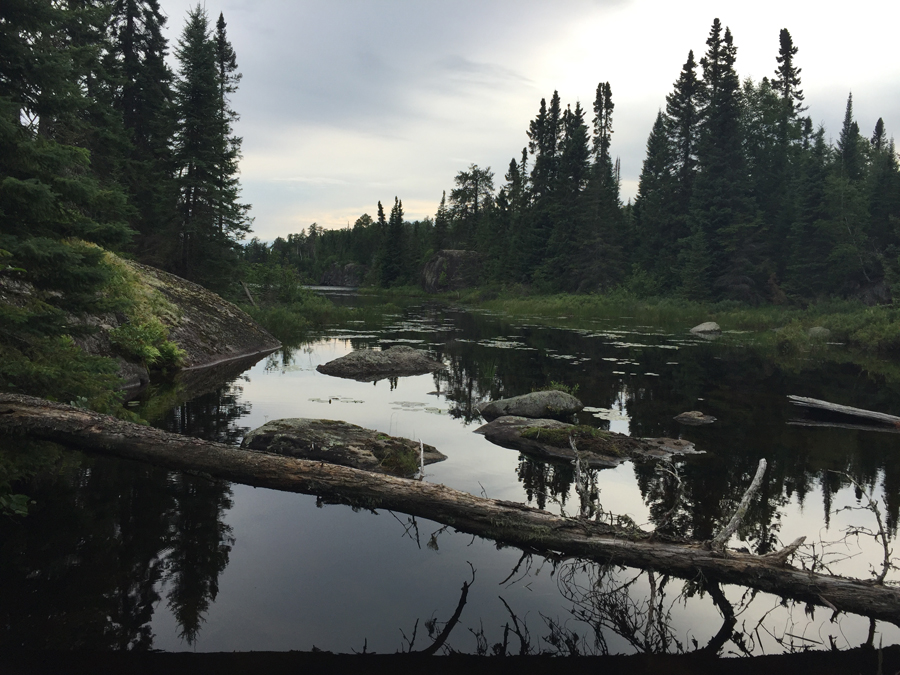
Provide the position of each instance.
(116, 554)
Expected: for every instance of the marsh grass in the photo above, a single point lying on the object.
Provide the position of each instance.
(871, 329)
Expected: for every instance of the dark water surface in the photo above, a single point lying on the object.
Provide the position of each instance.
(117, 554)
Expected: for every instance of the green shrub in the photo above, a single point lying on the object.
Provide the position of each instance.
(559, 386)
(148, 343)
(285, 323)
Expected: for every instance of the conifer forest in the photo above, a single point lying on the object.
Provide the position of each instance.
(741, 197)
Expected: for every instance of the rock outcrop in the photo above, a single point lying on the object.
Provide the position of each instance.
(369, 365)
(341, 443)
(452, 270)
(550, 439)
(206, 328)
(349, 275)
(538, 404)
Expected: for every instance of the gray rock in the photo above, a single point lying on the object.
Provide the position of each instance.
(819, 333)
(340, 443)
(368, 365)
(537, 404)
(708, 327)
(694, 418)
(134, 375)
(452, 270)
(599, 450)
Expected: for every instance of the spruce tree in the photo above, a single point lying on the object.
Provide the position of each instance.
(52, 201)
(849, 146)
(568, 214)
(601, 259)
(393, 251)
(441, 225)
(683, 122)
(145, 101)
(656, 236)
(209, 216)
(231, 217)
(787, 80)
(719, 205)
(809, 241)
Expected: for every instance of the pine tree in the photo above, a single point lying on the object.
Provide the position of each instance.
(656, 236)
(145, 101)
(231, 216)
(787, 81)
(210, 218)
(683, 121)
(441, 225)
(468, 202)
(52, 200)
(568, 213)
(848, 146)
(394, 248)
(601, 257)
(719, 206)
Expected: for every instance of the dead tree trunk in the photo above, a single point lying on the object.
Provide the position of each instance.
(506, 522)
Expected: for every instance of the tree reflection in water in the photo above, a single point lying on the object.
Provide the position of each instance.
(105, 537)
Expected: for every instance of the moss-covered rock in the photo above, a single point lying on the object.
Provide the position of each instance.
(168, 322)
(341, 443)
(550, 439)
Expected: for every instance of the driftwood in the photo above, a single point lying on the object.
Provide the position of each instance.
(505, 522)
(816, 404)
(843, 425)
(719, 541)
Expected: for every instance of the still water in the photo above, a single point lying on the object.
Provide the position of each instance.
(116, 554)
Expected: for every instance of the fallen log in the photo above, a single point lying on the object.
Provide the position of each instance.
(505, 522)
(816, 404)
(843, 425)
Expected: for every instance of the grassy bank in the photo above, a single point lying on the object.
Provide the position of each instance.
(871, 329)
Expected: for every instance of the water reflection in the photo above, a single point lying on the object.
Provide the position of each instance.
(108, 541)
(105, 540)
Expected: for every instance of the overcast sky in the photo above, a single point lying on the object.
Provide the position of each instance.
(347, 102)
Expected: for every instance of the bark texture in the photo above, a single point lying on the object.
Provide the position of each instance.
(506, 522)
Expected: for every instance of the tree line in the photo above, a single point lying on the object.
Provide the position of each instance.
(740, 197)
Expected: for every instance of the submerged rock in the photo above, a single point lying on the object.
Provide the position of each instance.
(367, 365)
(708, 327)
(340, 443)
(694, 418)
(599, 449)
(538, 404)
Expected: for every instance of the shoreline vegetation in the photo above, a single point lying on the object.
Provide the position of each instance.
(873, 331)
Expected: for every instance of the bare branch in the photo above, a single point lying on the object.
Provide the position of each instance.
(719, 541)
